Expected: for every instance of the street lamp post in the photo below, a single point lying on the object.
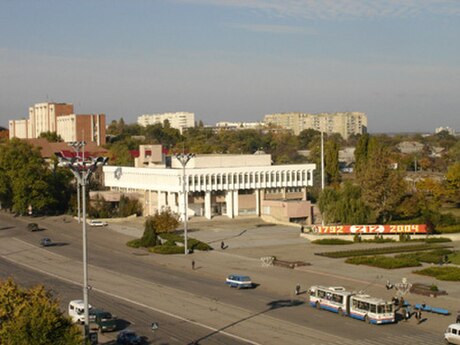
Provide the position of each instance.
(76, 146)
(184, 158)
(322, 170)
(82, 171)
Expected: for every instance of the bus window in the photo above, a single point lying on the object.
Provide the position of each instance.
(321, 294)
(365, 306)
(373, 308)
(337, 298)
(380, 309)
(389, 308)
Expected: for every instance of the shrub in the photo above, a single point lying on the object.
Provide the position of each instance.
(166, 250)
(449, 229)
(448, 273)
(433, 256)
(134, 243)
(437, 239)
(332, 241)
(170, 243)
(434, 287)
(194, 244)
(374, 251)
(383, 261)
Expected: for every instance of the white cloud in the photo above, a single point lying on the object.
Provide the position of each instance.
(331, 9)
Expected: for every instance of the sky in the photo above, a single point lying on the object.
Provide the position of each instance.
(235, 60)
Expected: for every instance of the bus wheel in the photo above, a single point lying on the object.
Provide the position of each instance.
(318, 306)
(340, 312)
(367, 320)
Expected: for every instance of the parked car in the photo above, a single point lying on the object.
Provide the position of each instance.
(97, 223)
(452, 334)
(103, 320)
(239, 281)
(33, 227)
(128, 337)
(46, 242)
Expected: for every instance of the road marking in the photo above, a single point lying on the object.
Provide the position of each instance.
(127, 299)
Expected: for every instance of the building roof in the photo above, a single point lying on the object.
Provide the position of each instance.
(47, 149)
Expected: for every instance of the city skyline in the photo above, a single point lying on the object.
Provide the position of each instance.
(396, 61)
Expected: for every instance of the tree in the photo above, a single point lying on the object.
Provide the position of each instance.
(32, 316)
(382, 187)
(52, 137)
(361, 154)
(165, 221)
(331, 162)
(25, 177)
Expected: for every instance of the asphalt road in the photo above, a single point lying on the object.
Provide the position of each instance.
(107, 251)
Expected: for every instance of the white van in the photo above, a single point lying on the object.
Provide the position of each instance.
(452, 334)
(77, 311)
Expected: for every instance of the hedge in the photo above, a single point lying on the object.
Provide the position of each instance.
(134, 243)
(332, 241)
(448, 229)
(167, 250)
(448, 273)
(374, 251)
(433, 256)
(383, 261)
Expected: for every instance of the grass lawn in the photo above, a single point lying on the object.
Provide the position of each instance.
(455, 258)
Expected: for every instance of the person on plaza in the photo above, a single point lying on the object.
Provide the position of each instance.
(388, 285)
(193, 264)
(458, 317)
(297, 289)
(418, 315)
(404, 313)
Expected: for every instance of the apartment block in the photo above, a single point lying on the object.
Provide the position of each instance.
(179, 120)
(344, 123)
(61, 119)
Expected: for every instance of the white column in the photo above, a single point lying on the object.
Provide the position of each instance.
(304, 193)
(207, 205)
(257, 191)
(235, 203)
(161, 200)
(229, 203)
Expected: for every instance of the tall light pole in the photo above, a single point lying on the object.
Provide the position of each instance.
(183, 159)
(322, 169)
(82, 171)
(76, 146)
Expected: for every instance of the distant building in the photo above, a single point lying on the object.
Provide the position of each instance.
(60, 119)
(239, 125)
(217, 184)
(449, 130)
(409, 147)
(344, 123)
(179, 120)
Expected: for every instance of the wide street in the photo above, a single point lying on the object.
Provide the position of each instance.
(195, 305)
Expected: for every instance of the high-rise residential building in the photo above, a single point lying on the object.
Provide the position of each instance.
(179, 120)
(344, 123)
(82, 127)
(59, 118)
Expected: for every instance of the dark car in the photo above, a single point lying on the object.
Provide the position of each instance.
(46, 242)
(128, 337)
(33, 227)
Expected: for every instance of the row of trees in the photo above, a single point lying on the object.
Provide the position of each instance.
(380, 193)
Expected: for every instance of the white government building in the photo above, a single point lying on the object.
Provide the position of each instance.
(216, 184)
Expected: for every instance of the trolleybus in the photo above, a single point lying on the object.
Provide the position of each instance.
(347, 303)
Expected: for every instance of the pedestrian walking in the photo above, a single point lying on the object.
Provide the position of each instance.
(458, 317)
(418, 315)
(222, 245)
(193, 264)
(297, 289)
(404, 313)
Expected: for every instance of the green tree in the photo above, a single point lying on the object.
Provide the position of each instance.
(331, 162)
(361, 151)
(382, 186)
(52, 137)
(150, 236)
(26, 179)
(32, 316)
